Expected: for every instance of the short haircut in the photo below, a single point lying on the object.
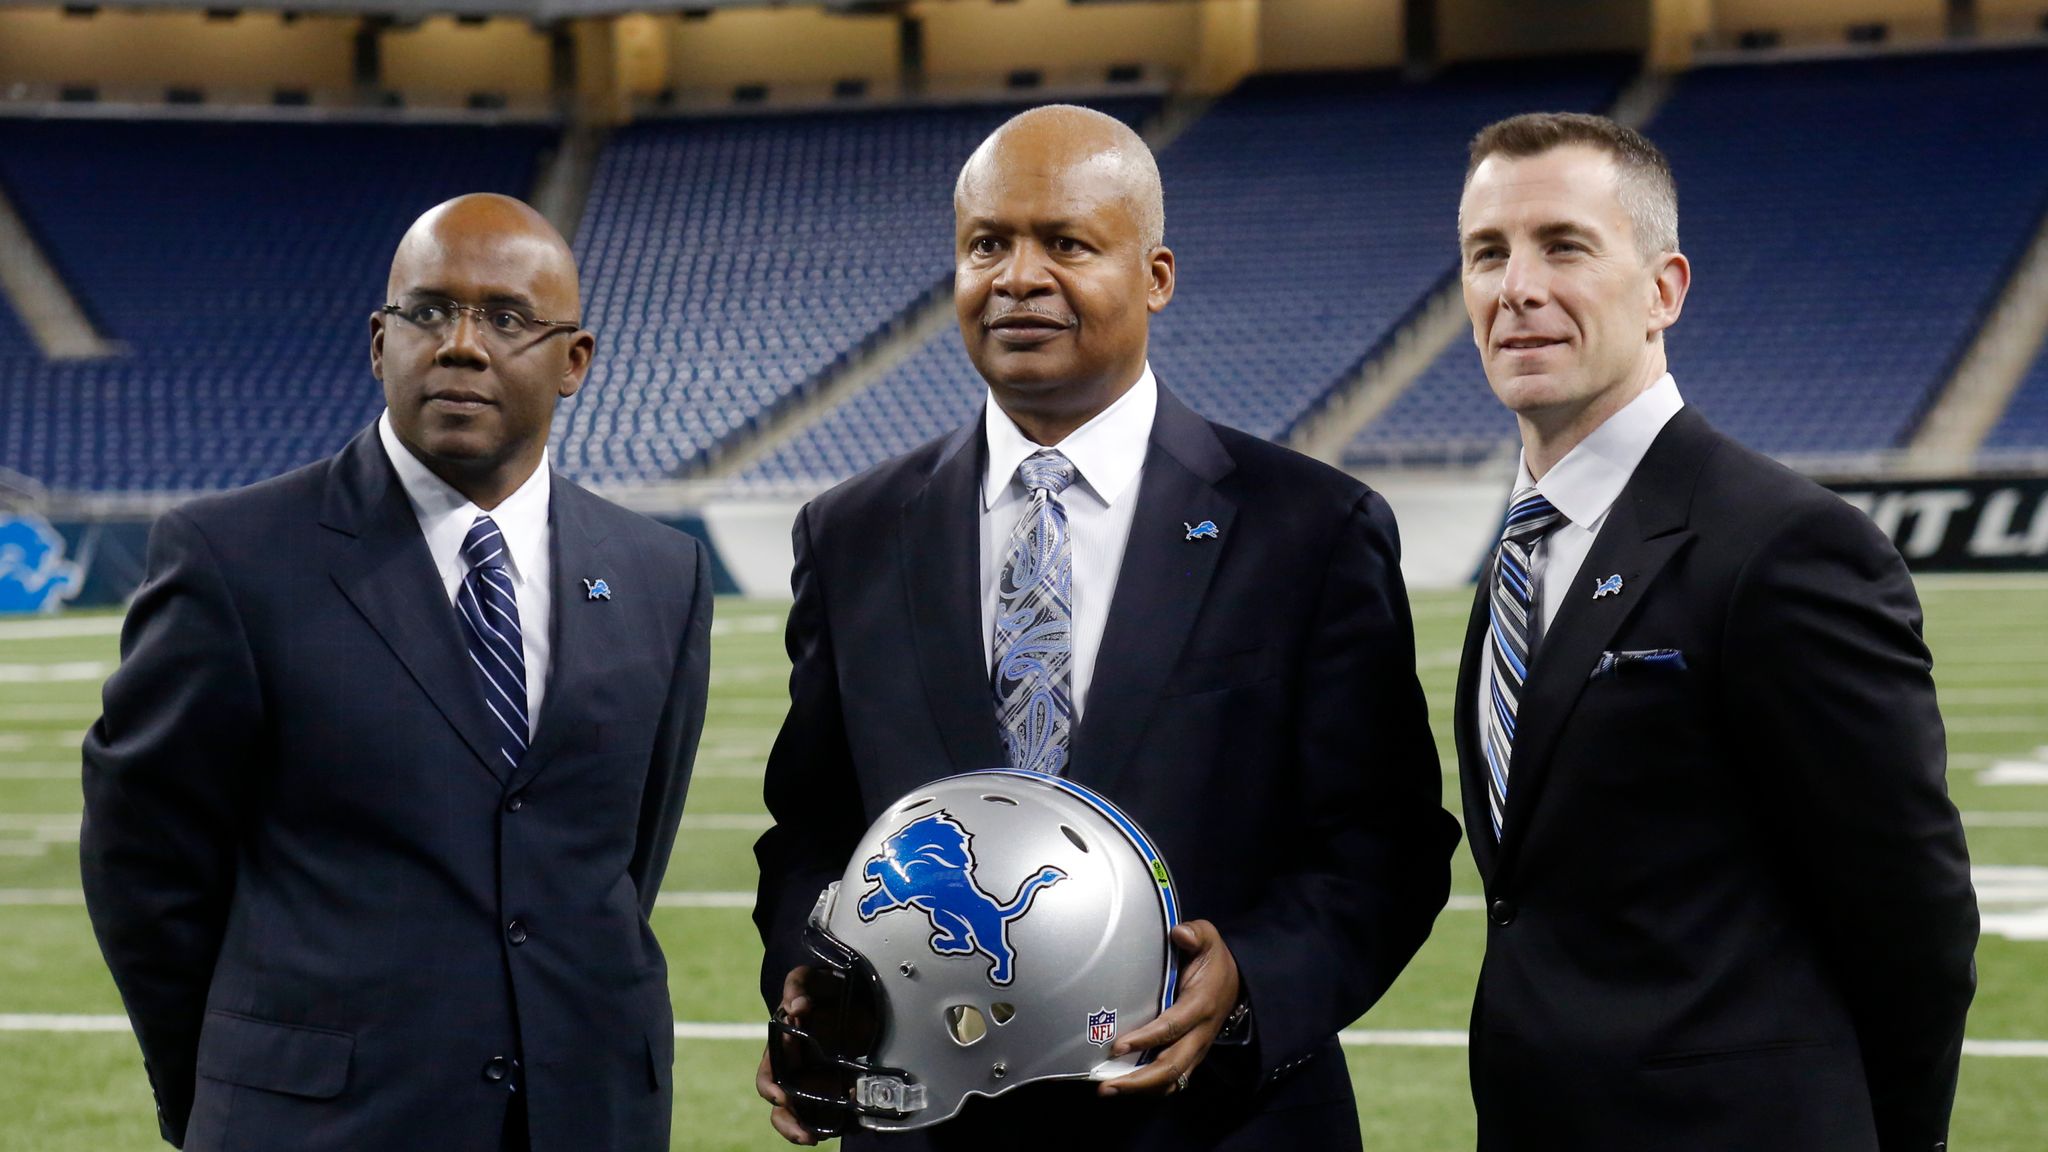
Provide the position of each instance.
(1648, 193)
(1140, 170)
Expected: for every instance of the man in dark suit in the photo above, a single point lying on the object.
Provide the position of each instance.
(1728, 899)
(1237, 671)
(389, 774)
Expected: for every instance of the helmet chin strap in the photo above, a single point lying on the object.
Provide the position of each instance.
(888, 1094)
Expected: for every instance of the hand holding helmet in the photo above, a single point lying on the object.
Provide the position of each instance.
(1181, 1036)
(991, 929)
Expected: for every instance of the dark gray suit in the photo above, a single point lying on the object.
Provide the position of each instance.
(338, 919)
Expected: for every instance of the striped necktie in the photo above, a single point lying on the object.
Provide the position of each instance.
(1512, 625)
(1034, 633)
(490, 627)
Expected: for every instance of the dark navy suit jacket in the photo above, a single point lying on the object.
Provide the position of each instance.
(1731, 906)
(1254, 707)
(304, 857)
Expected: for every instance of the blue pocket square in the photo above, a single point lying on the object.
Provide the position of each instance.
(1613, 664)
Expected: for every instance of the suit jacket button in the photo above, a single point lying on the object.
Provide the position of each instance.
(1502, 912)
(517, 802)
(516, 932)
(496, 1069)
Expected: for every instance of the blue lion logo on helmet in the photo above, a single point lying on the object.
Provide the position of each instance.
(928, 865)
(34, 576)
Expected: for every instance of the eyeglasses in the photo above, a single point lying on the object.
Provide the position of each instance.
(499, 320)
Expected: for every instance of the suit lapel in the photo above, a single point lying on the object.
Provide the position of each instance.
(939, 539)
(1644, 530)
(582, 629)
(390, 578)
(1159, 589)
(1465, 720)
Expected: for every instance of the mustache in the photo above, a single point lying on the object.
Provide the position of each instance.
(992, 317)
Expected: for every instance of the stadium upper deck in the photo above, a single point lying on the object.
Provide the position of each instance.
(1850, 222)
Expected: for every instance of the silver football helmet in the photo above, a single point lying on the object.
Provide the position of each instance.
(992, 929)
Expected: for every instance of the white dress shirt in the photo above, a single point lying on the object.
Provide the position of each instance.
(1583, 486)
(445, 516)
(1108, 454)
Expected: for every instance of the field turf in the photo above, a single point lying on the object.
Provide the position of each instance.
(71, 1081)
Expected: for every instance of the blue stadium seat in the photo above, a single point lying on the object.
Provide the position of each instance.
(2025, 423)
(1849, 224)
(15, 341)
(237, 265)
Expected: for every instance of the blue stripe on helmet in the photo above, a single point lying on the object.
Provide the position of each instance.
(1169, 906)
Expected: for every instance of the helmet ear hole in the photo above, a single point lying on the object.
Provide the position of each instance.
(965, 1025)
(1001, 1012)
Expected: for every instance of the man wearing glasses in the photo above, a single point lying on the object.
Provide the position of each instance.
(386, 782)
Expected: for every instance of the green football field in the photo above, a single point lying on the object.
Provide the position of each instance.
(71, 1077)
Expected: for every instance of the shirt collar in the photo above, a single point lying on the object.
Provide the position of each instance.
(1107, 452)
(445, 515)
(1587, 482)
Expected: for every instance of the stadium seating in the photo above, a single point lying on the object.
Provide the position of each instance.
(237, 265)
(734, 263)
(1848, 222)
(15, 341)
(2024, 427)
(1308, 214)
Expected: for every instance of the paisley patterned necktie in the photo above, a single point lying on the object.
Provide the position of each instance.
(1034, 633)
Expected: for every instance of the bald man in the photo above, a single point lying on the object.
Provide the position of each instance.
(387, 779)
(1234, 667)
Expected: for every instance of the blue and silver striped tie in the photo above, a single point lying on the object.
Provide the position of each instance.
(490, 625)
(1511, 629)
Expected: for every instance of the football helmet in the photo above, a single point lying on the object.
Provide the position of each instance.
(992, 929)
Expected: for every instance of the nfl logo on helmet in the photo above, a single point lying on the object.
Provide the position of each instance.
(1102, 1026)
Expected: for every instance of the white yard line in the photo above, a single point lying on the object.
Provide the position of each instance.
(704, 900)
(1980, 582)
(39, 770)
(16, 713)
(34, 831)
(63, 828)
(1986, 723)
(744, 625)
(1978, 697)
(51, 1022)
(60, 628)
(1401, 1038)
(70, 671)
(757, 1032)
(41, 898)
(726, 822)
(74, 898)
